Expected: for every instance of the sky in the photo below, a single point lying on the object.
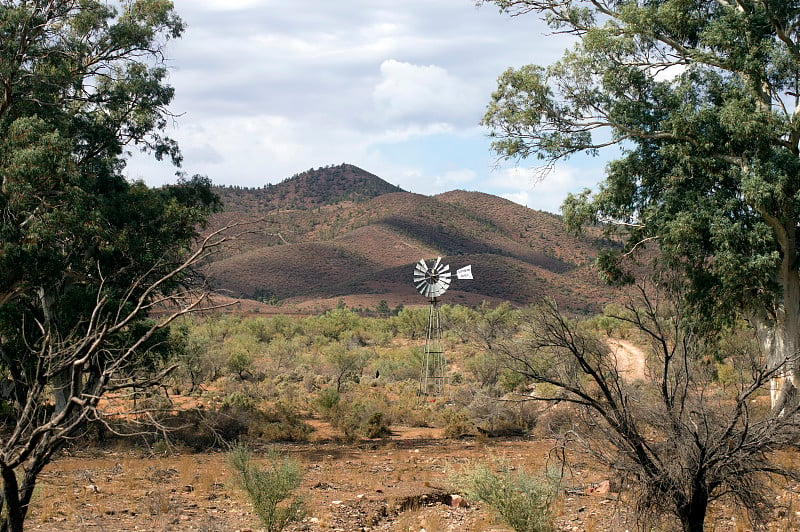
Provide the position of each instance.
(266, 89)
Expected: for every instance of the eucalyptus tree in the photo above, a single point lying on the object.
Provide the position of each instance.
(701, 97)
(85, 255)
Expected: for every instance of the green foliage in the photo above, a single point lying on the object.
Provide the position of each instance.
(375, 426)
(357, 414)
(190, 352)
(327, 400)
(412, 322)
(84, 253)
(522, 500)
(281, 423)
(271, 489)
(336, 322)
(346, 365)
(710, 167)
(382, 308)
(458, 424)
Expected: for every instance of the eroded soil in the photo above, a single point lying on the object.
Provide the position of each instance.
(401, 483)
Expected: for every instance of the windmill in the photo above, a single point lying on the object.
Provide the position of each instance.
(432, 282)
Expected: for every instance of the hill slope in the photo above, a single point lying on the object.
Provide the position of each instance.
(358, 241)
(312, 188)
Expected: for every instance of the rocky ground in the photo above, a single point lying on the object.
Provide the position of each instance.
(404, 483)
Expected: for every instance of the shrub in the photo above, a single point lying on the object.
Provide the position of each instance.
(458, 425)
(357, 416)
(327, 400)
(205, 429)
(271, 489)
(282, 423)
(522, 500)
(376, 426)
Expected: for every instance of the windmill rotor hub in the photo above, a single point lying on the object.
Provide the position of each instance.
(432, 281)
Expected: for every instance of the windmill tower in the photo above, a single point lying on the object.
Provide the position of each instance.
(432, 282)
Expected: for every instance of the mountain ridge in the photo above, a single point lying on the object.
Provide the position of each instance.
(359, 241)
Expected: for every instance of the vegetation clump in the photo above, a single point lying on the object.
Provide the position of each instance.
(524, 501)
(271, 488)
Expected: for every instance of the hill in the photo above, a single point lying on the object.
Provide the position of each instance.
(340, 233)
(312, 188)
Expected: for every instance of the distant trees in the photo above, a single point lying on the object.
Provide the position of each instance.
(92, 267)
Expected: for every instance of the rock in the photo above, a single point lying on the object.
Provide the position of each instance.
(457, 501)
(603, 488)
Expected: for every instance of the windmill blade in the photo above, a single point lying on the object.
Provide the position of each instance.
(432, 281)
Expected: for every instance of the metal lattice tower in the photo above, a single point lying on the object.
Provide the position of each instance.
(432, 381)
(432, 282)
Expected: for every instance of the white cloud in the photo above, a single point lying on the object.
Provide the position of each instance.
(545, 192)
(227, 5)
(456, 179)
(409, 92)
(268, 88)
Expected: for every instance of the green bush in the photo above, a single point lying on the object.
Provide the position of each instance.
(458, 424)
(281, 423)
(522, 500)
(271, 489)
(375, 426)
(357, 416)
(327, 400)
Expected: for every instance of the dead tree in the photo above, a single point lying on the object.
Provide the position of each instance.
(679, 438)
(59, 384)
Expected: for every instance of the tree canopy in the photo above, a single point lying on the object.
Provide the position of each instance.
(84, 254)
(701, 96)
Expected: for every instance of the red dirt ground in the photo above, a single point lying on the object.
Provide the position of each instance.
(401, 483)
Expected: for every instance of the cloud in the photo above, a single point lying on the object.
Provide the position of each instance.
(545, 192)
(266, 89)
(427, 94)
(227, 5)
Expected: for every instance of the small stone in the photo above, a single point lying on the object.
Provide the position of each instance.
(457, 501)
(604, 487)
(337, 503)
